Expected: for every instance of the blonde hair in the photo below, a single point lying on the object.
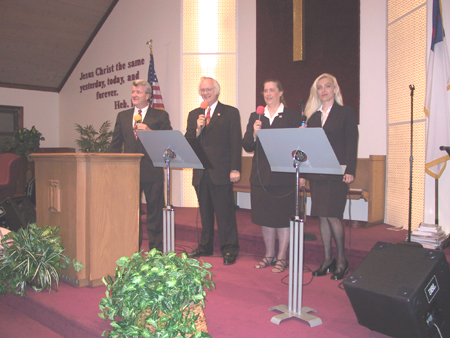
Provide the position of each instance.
(148, 86)
(314, 102)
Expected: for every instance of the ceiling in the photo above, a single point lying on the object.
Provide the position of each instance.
(43, 40)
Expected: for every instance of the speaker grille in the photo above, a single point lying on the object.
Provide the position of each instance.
(398, 288)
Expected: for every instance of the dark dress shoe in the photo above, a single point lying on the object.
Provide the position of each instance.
(198, 252)
(323, 270)
(229, 259)
(340, 273)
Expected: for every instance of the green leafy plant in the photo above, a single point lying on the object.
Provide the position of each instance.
(157, 289)
(91, 141)
(33, 256)
(25, 141)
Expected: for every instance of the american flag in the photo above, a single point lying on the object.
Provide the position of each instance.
(157, 101)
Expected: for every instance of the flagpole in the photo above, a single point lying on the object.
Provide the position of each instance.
(150, 45)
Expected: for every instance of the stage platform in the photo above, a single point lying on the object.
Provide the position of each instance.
(237, 307)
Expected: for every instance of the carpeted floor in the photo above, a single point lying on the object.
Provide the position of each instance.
(238, 307)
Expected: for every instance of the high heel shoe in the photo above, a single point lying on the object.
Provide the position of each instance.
(340, 273)
(323, 270)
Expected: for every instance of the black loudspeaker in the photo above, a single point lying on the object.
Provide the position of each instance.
(402, 291)
(16, 213)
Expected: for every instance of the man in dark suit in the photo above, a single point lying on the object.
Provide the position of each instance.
(218, 129)
(151, 178)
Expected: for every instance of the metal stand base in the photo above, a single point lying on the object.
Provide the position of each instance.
(304, 315)
(168, 229)
(295, 308)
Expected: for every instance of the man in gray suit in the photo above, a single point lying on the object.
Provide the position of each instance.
(151, 178)
(218, 129)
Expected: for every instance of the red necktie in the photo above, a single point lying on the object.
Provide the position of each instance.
(135, 124)
(208, 115)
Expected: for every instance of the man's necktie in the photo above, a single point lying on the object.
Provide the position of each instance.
(135, 123)
(208, 115)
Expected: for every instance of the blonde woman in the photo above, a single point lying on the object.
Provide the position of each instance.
(325, 109)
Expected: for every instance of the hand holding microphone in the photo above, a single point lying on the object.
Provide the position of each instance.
(257, 125)
(201, 120)
(139, 125)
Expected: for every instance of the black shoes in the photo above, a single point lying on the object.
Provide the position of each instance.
(340, 273)
(323, 270)
(198, 252)
(229, 259)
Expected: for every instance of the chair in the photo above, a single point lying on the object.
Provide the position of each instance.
(9, 172)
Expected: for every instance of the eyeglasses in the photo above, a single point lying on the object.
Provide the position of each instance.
(206, 90)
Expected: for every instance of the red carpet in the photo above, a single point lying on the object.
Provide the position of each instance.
(238, 307)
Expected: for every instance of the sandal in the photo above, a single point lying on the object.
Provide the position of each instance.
(265, 262)
(280, 266)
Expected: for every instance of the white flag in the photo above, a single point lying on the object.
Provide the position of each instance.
(437, 102)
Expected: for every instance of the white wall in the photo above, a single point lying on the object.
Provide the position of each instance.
(40, 109)
(122, 39)
(373, 78)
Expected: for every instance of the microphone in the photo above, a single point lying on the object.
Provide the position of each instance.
(301, 106)
(260, 111)
(303, 120)
(204, 105)
(137, 118)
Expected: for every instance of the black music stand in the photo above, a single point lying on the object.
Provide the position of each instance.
(306, 151)
(169, 148)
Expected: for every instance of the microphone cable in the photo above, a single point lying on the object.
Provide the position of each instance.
(259, 175)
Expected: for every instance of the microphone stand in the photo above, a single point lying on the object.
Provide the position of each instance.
(308, 236)
(168, 211)
(411, 160)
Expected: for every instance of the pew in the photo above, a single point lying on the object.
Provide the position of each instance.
(369, 185)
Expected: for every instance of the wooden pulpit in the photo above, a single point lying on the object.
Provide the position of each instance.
(94, 199)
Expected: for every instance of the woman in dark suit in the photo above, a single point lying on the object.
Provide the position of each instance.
(272, 193)
(325, 109)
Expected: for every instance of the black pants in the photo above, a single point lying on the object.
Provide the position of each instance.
(154, 196)
(218, 200)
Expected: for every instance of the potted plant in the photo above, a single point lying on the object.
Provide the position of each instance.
(91, 141)
(33, 256)
(159, 295)
(25, 141)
